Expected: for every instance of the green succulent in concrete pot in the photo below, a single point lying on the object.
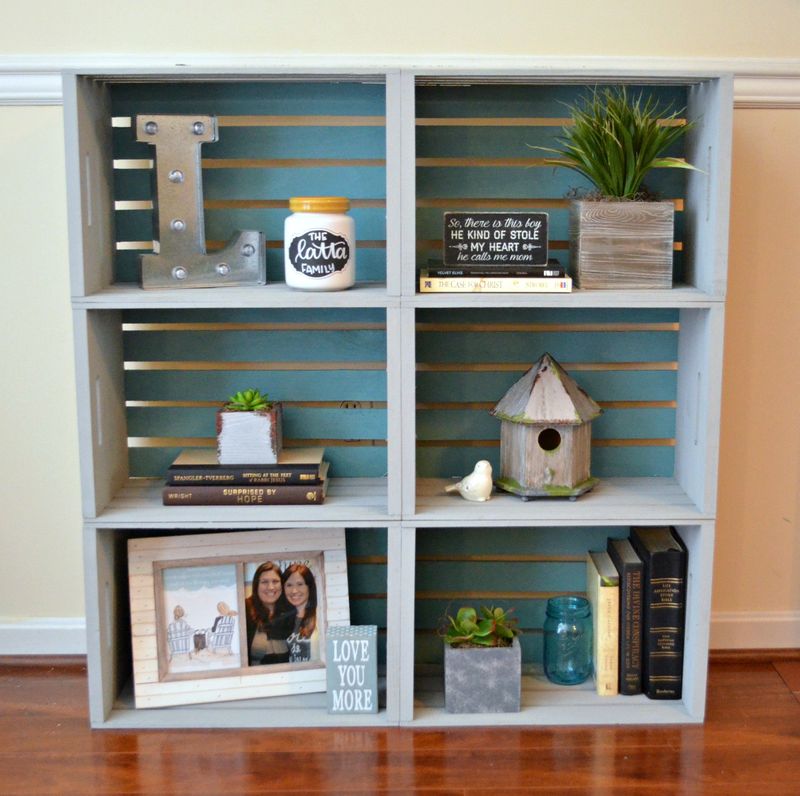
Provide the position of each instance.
(482, 662)
(249, 429)
(620, 238)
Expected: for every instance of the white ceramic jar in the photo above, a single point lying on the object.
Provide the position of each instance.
(319, 243)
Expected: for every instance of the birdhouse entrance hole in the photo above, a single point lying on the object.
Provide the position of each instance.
(549, 439)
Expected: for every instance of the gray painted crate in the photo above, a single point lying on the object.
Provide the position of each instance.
(406, 147)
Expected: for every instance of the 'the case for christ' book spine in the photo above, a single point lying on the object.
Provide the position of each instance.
(631, 575)
(664, 600)
(243, 495)
(501, 284)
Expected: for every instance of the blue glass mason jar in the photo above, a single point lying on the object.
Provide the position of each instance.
(568, 640)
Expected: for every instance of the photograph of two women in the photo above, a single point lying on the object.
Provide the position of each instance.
(278, 614)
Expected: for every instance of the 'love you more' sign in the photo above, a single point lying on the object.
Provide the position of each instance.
(495, 238)
(352, 669)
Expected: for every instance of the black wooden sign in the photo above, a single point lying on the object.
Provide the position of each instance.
(495, 239)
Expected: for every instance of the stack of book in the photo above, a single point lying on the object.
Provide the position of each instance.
(196, 478)
(550, 278)
(637, 588)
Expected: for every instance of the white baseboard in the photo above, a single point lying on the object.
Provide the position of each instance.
(732, 630)
(46, 636)
(729, 630)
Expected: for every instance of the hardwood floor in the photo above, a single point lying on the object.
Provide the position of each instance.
(749, 744)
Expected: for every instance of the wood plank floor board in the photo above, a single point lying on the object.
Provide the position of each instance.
(749, 744)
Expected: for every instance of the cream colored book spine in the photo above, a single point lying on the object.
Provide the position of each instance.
(602, 588)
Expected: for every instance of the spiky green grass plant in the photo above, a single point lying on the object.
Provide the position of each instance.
(616, 139)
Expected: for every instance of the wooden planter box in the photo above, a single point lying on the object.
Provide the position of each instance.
(621, 245)
(483, 679)
(250, 437)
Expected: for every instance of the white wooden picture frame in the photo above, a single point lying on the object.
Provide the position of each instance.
(182, 586)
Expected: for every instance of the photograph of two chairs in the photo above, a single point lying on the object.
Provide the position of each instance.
(729, 439)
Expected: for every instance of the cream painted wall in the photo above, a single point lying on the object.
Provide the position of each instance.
(40, 519)
(758, 543)
(758, 552)
(587, 27)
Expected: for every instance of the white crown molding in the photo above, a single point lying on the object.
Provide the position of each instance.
(755, 630)
(47, 636)
(759, 83)
(30, 88)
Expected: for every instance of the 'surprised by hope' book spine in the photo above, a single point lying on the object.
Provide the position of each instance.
(242, 495)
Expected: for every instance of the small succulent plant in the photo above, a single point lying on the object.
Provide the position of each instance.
(248, 401)
(495, 628)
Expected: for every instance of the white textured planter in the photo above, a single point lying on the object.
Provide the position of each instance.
(483, 679)
(621, 245)
(250, 437)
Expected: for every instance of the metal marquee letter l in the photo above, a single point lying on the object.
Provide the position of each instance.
(180, 258)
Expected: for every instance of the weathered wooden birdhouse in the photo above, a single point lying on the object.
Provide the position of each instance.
(546, 434)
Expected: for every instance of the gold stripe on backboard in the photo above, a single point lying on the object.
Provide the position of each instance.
(211, 442)
(300, 326)
(202, 365)
(503, 367)
(355, 404)
(548, 327)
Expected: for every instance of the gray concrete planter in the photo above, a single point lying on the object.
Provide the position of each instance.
(483, 679)
(621, 245)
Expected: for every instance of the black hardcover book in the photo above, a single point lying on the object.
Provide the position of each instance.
(281, 495)
(664, 610)
(631, 577)
(199, 467)
(436, 268)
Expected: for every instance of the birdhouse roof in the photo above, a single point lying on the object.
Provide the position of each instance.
(546, 395)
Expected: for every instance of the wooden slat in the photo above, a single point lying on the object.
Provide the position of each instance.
(298, 326)
(180, 365)
(240, 204)
(124, 164)
(494, 203)
(502, 558)
(493, 121)
(548, 327)
(281, 121)
(480, 405)
(211, 442)
(216, 245)
(355, 404)
(514, 121)
(301, 121)
(491, 162)
(358, 560)
(291, 163)
(522, 367)
(596, 443)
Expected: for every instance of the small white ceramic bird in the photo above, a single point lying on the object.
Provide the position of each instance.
(477, 485)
